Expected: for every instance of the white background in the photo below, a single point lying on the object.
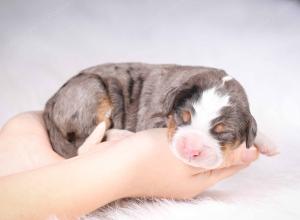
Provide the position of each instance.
(43, 43)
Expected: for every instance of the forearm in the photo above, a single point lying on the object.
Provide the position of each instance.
(139, 165)
(66, 189)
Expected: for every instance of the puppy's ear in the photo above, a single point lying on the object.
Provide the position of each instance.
(169, 101)
(176, 97)
(251, 132)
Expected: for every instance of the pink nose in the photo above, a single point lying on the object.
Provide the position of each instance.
(189, 146)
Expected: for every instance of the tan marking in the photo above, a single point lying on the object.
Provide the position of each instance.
(104, 111)
(186, 116)
(219, 128)
(171, 125)
(227, 148)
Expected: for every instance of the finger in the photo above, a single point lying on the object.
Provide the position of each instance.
(240, 156)
(219, 174)
(117, 134)
(249, 155)
(95, 137)
(204, 180)
(91, 149)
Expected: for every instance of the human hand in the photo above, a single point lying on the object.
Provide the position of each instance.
(149, 167)
(153, 171)
(156, 172)
(138, 165)
(24, 144)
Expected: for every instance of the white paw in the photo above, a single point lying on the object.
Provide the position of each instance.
(265, 145)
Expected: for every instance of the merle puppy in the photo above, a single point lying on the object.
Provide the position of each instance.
(205, 110)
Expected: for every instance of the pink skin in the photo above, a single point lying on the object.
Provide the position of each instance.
(196, 149)
(190, 146)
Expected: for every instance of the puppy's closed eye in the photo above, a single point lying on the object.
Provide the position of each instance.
(222, 133)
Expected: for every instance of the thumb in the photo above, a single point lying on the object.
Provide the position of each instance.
(211, 177)
(219, 174)
(95, 137)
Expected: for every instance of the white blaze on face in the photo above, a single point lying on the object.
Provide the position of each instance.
(207, 108)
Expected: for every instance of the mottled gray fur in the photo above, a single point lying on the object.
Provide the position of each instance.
(142, 96)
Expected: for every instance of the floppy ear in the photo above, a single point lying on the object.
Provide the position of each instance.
(177, 96)
(169, 100)
(251, 132)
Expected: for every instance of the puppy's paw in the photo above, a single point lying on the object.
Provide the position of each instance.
(265, 145)
(268, 150)
(117, 134)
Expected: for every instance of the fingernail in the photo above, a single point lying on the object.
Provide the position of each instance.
(249, 155)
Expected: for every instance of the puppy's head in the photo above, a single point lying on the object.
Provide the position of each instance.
(205, 124)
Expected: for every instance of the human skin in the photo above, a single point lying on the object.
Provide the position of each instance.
(36, 183)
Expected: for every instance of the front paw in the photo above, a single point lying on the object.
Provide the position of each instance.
(265, 145)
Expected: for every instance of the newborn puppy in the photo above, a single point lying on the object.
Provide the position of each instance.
(205, 110)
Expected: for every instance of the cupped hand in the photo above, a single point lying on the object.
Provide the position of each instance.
(24, 144)
(150, 168)
(153, 171)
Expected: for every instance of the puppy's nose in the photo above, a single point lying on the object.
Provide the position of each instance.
(190, 146)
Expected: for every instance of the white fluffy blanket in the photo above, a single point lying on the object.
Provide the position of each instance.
(257, 42)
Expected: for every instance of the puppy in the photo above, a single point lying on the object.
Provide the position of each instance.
(205, 110)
